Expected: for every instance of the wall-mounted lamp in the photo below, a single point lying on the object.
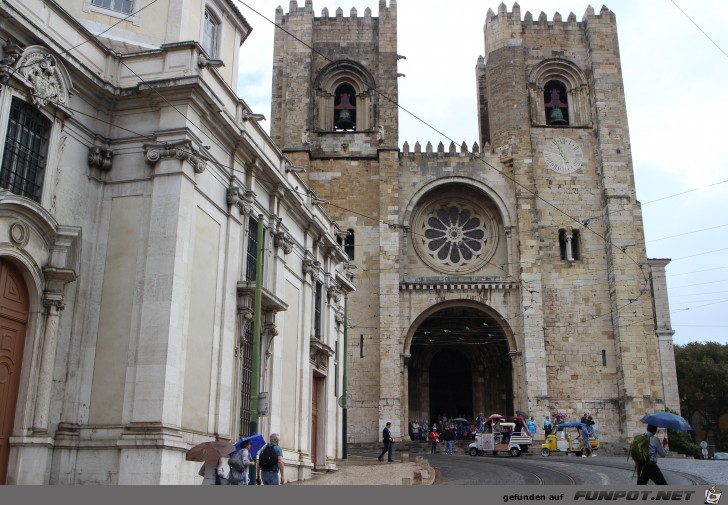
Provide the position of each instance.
(349, 266)
(252, 117)
(292, 168)
(319, 201)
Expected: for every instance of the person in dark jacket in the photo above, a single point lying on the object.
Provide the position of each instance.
(448, 436)
(388, 443)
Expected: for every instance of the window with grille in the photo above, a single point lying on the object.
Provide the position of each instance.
(317, 310)
(252, 261)
(209, 34)
(246, 375)
(125, 6)
(26, 150)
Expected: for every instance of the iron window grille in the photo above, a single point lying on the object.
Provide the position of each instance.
(26, 150)
(317, 310)
(246, 375)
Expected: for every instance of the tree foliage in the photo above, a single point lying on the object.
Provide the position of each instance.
(702, 377)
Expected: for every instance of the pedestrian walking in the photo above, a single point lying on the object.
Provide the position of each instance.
(531, 425)
(388, 443)
(649, 470)
(434, 438)
(270, 463)
(546, 426)
(240, 463)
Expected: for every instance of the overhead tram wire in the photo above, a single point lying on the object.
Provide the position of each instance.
(699, 28)
(472, 154)
(685, 192)
(214, 140)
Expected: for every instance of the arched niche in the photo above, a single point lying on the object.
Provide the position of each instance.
(572, 90)
(334, 80)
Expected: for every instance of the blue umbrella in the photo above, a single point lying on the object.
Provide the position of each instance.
(572, 424)
(667, 420)
(257, 442)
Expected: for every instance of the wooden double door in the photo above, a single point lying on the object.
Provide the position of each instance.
(13, 321)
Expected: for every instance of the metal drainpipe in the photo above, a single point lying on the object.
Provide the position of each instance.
(257, 315)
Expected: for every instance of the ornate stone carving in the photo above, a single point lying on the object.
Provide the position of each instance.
(240, 199)
(284, 240)
(19, 234)
(181, 149)
(43, 75)
(335, 293)
(100, 158)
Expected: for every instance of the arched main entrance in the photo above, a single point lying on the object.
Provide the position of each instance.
(13, 320)
(459, 365)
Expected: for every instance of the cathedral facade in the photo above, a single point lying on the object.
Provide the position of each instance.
(507, 275)
(141, 204)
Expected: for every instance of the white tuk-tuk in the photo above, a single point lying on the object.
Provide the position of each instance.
(502, 434)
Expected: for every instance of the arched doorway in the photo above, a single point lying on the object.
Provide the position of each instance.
(451, 387)
(459, 365)
(13, 320)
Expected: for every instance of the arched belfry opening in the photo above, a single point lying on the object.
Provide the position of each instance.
(459, 365)
(345, 108)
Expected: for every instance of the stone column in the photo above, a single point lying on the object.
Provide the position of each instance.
(54, 305)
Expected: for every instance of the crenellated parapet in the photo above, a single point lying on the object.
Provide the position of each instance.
(507, 29)
(338, 15)
(459, 151)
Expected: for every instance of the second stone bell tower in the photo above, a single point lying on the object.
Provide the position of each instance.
(334, 112)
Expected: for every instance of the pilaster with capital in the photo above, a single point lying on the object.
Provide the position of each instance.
(53, 303)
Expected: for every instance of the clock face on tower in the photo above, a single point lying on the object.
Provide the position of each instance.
(563, 155)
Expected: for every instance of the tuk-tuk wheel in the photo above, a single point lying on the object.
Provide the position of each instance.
(473, 451)
(577, 454)
(515, 451)
(545, 452)
(481, 453)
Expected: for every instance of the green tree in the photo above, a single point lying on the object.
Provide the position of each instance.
(702, 378)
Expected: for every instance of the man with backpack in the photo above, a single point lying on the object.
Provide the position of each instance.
(645, 455)
(270, 462)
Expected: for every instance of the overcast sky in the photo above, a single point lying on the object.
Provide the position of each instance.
(675, 81)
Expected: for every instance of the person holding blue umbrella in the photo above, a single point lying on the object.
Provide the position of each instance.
(649, 470)
(240, 463)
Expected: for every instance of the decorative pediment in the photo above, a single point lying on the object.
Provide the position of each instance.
(40, 72)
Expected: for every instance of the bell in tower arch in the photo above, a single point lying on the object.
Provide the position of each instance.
(552, 100)
(345, 108)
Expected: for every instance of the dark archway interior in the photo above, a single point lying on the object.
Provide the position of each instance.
(451, 388)
(459, 365)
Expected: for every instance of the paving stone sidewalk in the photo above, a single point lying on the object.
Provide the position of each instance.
(363, 471)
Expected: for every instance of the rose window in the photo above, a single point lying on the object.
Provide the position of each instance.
(455, 234)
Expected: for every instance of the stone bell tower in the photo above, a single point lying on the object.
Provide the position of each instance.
(334, 112)
(552, 92)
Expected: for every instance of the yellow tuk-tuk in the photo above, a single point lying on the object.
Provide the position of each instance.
(565, 442)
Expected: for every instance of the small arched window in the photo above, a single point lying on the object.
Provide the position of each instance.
(556, 103)
(569, 245)
(345, 108)
(347, 242)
